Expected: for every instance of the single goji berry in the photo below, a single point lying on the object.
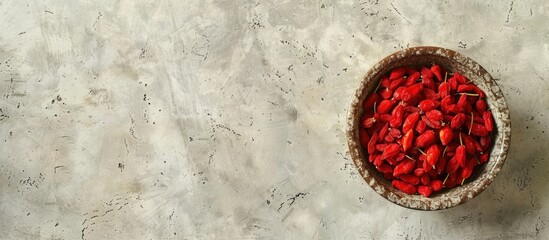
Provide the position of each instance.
(371, 100)
(391, 150)
(468, 169)
(404, 187)
(418, 172)
(445, 104)
(386, 93)
(445, 135)
(458, 120)
(483, 158)
(409, 178)
(412, 79)
(429, 83)
(463, 88)
(426, 73)
(407, 140)
(392, 160)
(428, 104)
(385, 106)
(411, 92)
(381, 146)
(480, 93)
(396, 83)
(436, 185)
(400, 157)
(389, 139)
(479, 130)
(453, 83)
(404, 167)
(385, 82)
(410, 121)
(460, 155)
(452, 165)
(431, 123)
(469, 143)
(425, 139)
(368, 122)
(383, 132)
(426, 191)
(444, 90)
(460, 78)
(425, 179)
(433, 154)
(385, 118)
(378, 160)
(434, 115)
(462, 102)
(437, 71)
(480, 106)
(397, 73)
(395, 133)
(429, 93)
(441, 164)
(398, 93)
(421, 127)
(385, 168)
(372, 143)
(371, 157)
(485, 142)
(396, 117)
(488, 121)
(428, 167)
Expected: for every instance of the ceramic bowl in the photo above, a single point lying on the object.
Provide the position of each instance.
(452, 61)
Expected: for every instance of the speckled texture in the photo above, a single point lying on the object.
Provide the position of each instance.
(169, 119)
(452, 61)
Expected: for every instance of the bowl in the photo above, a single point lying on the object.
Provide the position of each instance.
(452, 61)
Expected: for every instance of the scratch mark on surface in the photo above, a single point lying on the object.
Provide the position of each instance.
(509, 13)
(399, 13)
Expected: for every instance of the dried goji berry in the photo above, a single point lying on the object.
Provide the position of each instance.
(485, 142)
(386, 93)
(372, 143)
(385, 106)
(412, 79)
(460, 78)
(396, 117)
(421, 127)
(426, 191)
(368, 122)
(429, 83)
(385, 82)
(453, 83)
(410, 121)
(389, 139)
(452, 165)
(409, 178)
(425, 139)
(404, 167)
(479, 130)
(460, 155)
(404, 187)
(411, 92)
(391, 150)
(396, 83)
(425, 179)
(371, 100)
(458, 120)
(434, 115)
(384, 117)
(462, 88)
(436, 185)
(397, 73)
(480, 93)
(431, 123)
(437, 71)
(407, 140)
(429, 93)
(418, 172)
(385, 168)
(398, 93)
(381, 146)
(483, 158)
(383, 132)
(444, 89)
(488, 121)
(480, 106)
(445, 135)
(364, 137)
(433, 154)
(428, 104)
(426, 73)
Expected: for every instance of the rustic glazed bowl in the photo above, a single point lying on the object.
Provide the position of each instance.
(452, 61)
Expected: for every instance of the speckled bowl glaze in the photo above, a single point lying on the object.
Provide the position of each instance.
(453, 61)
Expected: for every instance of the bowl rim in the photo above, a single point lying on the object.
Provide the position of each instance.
(503, 124)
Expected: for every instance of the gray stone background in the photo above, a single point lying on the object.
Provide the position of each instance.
(225, 119)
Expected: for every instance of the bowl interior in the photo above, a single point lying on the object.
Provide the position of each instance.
(451, 61)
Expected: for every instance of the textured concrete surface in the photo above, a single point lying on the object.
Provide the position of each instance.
(225, 120)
